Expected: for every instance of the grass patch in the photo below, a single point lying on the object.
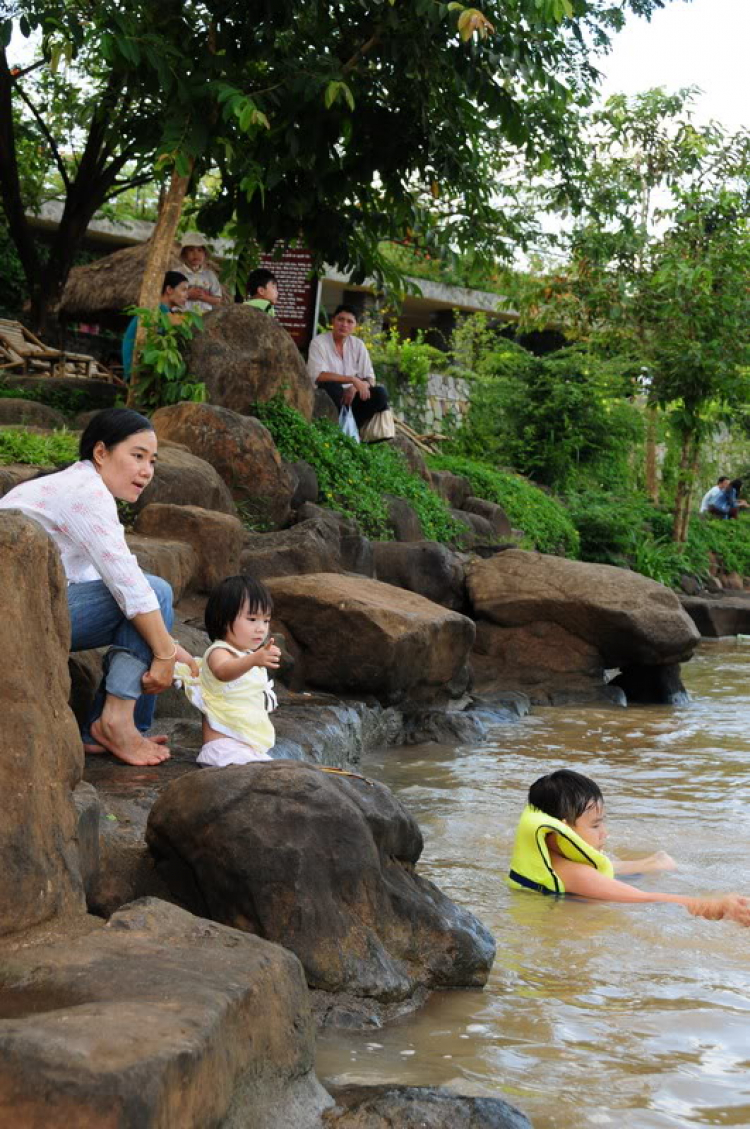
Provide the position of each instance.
(57, 448)
(352, 477)
(546, 524)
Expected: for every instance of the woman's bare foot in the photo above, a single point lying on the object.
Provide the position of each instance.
(89, 749)
(127, 744)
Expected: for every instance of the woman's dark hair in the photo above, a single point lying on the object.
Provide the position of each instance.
(111, 427)
(564, 794)
(345, 308)
(172, 278)
(259, 277)
(736, 485)
(227, 599)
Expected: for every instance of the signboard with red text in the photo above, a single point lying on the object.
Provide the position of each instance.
(296, 307)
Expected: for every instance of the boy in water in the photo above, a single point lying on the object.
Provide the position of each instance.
(558, 850)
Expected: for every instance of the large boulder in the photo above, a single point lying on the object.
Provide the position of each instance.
(158, 1021)
(42, 756)
(403, 519)
(627, 618)
(425, 567)
(182, 479)
(715, 616)
(174, 561)
(494, 514)
(325, 865)
(454, 488)
(414, 458)
(240, 449)
(359, 636)
(310, 546)
(215, 538)
(353, 550)
(417, 1107)
(30, 412)
(243, 356)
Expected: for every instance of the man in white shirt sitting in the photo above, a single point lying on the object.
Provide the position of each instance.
(709, 498)
(338, 362)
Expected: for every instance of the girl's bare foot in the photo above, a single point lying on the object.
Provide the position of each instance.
(89, 749)
(128, 745)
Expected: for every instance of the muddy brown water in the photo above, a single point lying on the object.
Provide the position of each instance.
(594, 1015)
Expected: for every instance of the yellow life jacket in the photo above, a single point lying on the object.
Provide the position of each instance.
(531, 865)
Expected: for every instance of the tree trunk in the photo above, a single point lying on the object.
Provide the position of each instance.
(652, 473)
(157, 262)
(688, 461)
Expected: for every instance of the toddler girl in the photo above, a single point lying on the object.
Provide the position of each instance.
(233, 690)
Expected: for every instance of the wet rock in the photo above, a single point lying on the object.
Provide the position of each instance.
(216, 539)
(541, 659)
(359, 636)
(182, 479)
(244, 356)
(354, 552)
(42, 756)
(310, 546)
(454, 488)
(154, 1023)
(322, 729)
(652, 685)
(31, 413)
(88, 813)
(323, 864)
(444, 727)
(715, 616)
(417, 1107)
(240, 449)
(425, 567)
(174, 560)
(623, 617)
(403, 519)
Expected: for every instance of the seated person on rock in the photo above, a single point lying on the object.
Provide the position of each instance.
(708, 500)
(728, 504)
(233, 690)
(174, 292)
(338, 362)
(204, 288)
(558, 850)
(112, 602)
(263, 291)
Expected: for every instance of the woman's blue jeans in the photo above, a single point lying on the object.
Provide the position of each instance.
(96, 620)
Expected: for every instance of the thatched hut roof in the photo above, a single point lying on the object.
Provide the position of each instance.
(108, 285)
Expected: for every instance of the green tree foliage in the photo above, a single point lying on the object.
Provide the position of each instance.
(656, 264)
(343, 123)
(162, 373)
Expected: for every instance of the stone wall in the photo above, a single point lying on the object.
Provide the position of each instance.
(443, 401)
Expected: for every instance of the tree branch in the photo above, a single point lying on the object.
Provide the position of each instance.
(10, 185)
(50, 139)
(374, 39)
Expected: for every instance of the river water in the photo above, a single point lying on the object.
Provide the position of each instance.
(594, 1015)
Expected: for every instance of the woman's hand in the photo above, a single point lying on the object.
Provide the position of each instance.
(183, 656)
(159, 676)
(726, 907)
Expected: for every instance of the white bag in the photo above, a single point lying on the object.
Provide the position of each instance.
(348, 424)
(381, 426)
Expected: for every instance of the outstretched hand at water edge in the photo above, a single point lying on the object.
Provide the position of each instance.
(725, 907)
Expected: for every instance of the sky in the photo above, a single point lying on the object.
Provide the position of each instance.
(704, 43)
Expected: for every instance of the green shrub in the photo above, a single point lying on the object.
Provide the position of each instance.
(69, 401)
(54, 449)
(545, 522)
(353, 477)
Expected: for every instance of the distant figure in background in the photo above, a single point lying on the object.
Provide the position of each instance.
(338, 362)
(728, 504)
(709, 498)
(204, 288)
(263, 291)
(174, 294)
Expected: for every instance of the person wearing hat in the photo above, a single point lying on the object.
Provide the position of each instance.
(204, 289)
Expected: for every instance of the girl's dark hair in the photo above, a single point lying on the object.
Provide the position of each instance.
(172, 278)
(736, 484)
(259, 277)
(226, 601)
(345, 308)
(111, 427)
(564, 794)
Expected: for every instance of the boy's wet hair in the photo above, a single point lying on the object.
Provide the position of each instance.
(564, 794)
(226, 602)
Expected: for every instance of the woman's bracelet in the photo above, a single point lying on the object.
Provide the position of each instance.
(166, 658)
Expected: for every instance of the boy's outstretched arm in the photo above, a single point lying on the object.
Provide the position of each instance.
(589, 883)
